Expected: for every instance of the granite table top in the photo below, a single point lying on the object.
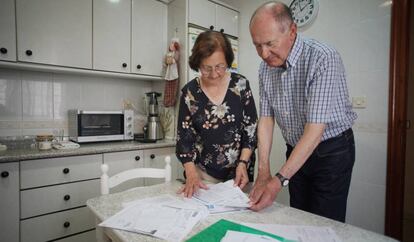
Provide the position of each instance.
(85, 149)
(105, 206)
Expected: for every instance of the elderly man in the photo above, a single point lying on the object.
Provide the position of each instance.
(303, 87)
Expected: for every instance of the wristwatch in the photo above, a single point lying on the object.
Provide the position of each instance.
(283, 180)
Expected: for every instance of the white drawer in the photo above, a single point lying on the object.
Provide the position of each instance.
(36, 173)
(56, 225)
(83, 237)
(55, 198)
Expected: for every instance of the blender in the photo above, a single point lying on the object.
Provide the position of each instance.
(153, 130)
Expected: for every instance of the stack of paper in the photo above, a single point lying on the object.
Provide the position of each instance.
(164, 217)
(222, 197)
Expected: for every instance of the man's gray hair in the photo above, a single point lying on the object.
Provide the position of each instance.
(281, 13)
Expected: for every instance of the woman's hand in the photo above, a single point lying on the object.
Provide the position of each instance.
(241, 175)
(193, 181)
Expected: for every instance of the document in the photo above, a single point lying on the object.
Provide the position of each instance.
(235, 236)
(222, 195)
(299, 232)
(164, 217)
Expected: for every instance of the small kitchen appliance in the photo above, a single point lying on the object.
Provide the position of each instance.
(94, 126)
(153, 130)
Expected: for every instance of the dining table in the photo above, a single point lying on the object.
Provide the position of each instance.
(105, 206)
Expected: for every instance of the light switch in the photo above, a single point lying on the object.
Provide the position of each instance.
(359, 102)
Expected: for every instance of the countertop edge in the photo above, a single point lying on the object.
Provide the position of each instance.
(85, 149)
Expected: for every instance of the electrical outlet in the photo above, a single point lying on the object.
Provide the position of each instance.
(359, 102)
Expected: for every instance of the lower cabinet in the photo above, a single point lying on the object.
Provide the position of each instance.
(56, 225)
(154, 158)
(45, 199)
(53, 195)
(150, 158)
(122, 161)
(89, 236)
(9, 202)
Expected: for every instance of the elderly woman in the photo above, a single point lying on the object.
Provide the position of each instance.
(217, 119)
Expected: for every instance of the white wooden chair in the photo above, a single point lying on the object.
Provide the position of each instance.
(115, 180)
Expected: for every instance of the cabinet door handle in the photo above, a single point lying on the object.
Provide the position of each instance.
(152, 156)
(3, 50)
(66, 224)
(211, 27)
(5, 174)
(138, 67)
(124, 65)
(221, 30)
(137, 158)
(66, 197)
(66, 171)
(29, 52)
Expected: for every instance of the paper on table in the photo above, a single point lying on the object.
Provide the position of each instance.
(223, 194)
(235, 236)
(299, 232)
(154, 216)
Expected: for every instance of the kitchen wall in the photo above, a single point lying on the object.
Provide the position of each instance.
(37, 102)
(360, 31)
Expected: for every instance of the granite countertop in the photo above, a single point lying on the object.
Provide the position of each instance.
(105, 206)
(85, 149)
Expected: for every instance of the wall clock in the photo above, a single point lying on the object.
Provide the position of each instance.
(304, 11)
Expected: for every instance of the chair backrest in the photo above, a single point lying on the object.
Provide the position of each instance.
(113, 181)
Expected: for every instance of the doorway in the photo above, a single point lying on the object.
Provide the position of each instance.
(408, 212)
(399, 218)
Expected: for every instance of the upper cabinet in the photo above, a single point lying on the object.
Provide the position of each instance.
(227, 20)
(7, 31)
(55, 32)
(122, 36)
(149, 37)
(213, 16)
(112, 35)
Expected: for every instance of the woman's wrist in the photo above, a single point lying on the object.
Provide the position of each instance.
(241, 161)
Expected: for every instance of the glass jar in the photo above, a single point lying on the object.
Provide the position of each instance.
(44, 142)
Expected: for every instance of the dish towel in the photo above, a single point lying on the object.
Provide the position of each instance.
(171, 74)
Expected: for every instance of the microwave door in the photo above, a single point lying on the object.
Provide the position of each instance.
(101, 124)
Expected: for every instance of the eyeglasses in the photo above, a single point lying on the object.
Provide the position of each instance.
(206, 70)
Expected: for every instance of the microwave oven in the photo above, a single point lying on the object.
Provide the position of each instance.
(95, 126)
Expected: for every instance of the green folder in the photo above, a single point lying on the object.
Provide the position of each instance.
(216, 231)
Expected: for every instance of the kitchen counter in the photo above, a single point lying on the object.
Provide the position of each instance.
(85, 149)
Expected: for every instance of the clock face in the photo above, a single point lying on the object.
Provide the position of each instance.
(304, 11)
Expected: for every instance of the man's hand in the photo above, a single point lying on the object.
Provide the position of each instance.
(192, 182)
(264, 193)
(241, 178)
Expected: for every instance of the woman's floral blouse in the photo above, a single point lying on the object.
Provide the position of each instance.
(212, 136)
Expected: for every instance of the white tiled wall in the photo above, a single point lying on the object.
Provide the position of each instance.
(37, 102)
(360, 31)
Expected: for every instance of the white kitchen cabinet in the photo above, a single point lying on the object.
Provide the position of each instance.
(202, 13)
(7, 30)
(155, 158)
(227, 20)
(55, 32)
(213, 16)
(112, 35)
(56, 225)
(122, 161)
(51, 199)
(9, 202)
(53, 171)
(53, 194)
(149, 37)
